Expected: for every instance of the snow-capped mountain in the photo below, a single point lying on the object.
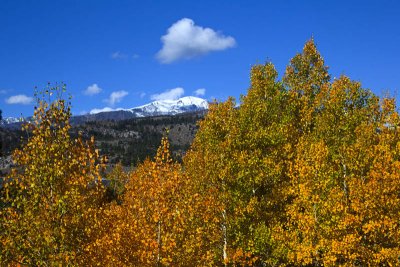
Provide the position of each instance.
(14, 123)
(156, 108)
(163, 107)
(11, 120)
(171, 107)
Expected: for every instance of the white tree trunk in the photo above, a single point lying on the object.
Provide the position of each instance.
(224, 232)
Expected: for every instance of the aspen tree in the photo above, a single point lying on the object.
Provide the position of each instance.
(52, 193)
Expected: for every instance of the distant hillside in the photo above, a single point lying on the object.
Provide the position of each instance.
(156, 108)
(128, 141)
(131, 141)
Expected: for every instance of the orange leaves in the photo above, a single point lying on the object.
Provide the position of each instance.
(156, 221)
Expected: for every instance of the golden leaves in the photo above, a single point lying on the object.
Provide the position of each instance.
(155, 222)
(47, 214)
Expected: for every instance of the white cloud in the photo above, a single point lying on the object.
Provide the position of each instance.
(200, 92)
(19, 99)
(172, 94)
(118, 55)
(116, 97)
(93, 89)
(185, 40)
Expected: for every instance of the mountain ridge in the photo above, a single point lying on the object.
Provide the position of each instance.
(155, 108)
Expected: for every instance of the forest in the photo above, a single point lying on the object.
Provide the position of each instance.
(300, 171)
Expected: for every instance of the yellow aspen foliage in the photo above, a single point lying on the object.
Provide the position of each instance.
(206, 164)
(304, 171)
(237, 158)
(50, 197)
(345, 209)
(159, 222)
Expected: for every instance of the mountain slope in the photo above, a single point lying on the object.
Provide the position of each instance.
(162, 107)
(156, 108)
(171, 107)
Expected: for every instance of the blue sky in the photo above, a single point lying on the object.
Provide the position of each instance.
(128, 53)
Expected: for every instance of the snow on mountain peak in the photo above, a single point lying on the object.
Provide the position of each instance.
(106, 109)
(192, 100)
(163, 107)
(171, 107)
(156, 108)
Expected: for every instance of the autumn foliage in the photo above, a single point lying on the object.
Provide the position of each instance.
(303, 171)
(49, 199)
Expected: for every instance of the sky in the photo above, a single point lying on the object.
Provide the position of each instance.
(122, 54)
